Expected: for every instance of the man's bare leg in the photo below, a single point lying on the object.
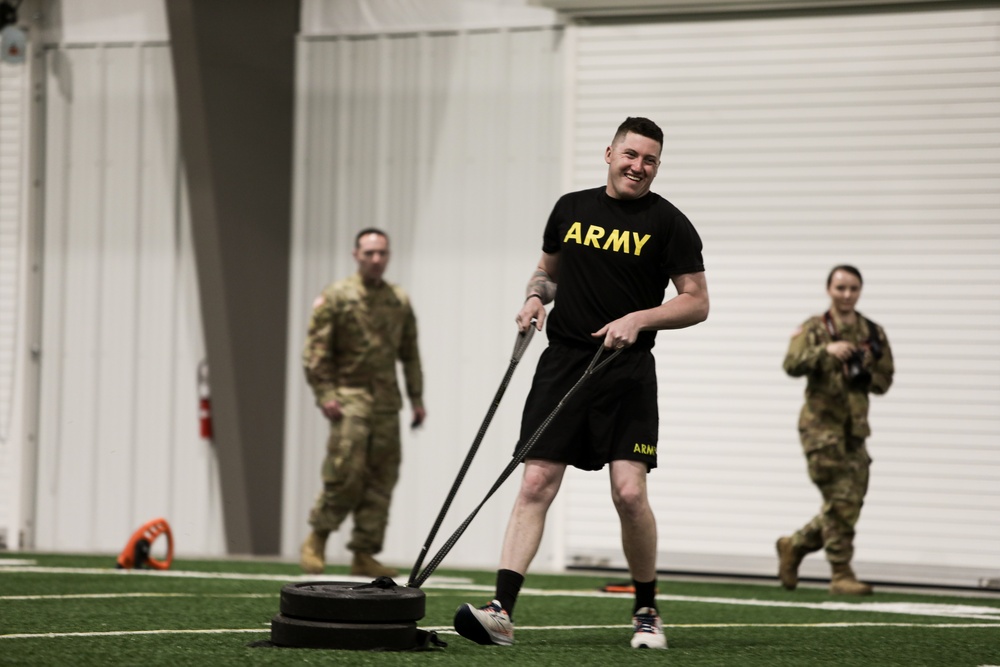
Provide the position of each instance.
(628, 490)
(493, 623)
(539, 487)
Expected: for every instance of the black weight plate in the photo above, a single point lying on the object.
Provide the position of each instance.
(299, 633)
(350, 602)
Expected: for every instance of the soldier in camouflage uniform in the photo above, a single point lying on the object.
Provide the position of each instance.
(844, 357)
(360, 326)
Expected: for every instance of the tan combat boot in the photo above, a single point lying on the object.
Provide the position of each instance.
(313, 548)
(844, 582)
(789, 559)
(365, 565)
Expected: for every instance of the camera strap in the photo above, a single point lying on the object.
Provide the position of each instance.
(830, 326)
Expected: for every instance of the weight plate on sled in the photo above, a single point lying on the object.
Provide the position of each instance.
(301, 633)
(350, 602)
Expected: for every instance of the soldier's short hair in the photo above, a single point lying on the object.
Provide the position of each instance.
(844, 267)
(365, 232)
(641, 126)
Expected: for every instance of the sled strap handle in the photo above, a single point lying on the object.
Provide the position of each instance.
(519, 456)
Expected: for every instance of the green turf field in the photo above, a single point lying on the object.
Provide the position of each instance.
(79, 610)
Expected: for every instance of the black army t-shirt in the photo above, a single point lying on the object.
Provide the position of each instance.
(616, 256)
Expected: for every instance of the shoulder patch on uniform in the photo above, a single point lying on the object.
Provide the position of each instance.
(319, 301)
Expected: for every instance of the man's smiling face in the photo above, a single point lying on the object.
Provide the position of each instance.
(632, 165)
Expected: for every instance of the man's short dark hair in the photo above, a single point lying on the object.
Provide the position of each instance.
(365, 232)
(641, 126)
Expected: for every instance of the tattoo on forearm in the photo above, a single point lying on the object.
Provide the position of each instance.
(542, 285)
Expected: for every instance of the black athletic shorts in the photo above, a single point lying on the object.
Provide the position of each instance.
(612, 416)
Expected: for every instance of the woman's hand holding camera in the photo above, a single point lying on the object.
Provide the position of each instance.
(841, 349)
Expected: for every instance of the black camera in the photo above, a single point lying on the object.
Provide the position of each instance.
(857, 374)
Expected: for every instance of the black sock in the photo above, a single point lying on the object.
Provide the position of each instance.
(645, 594)
(508, 586)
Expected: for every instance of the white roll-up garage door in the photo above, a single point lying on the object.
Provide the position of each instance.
(795, 143)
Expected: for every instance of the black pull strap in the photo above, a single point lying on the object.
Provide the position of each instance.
(417, 581)
(520, 345)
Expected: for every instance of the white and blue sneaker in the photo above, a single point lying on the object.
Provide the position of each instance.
(487, 625)
(647, 629)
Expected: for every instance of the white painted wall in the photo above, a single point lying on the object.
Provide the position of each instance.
(452, 143)
(121, 332)
(103, 21)
(346, 17)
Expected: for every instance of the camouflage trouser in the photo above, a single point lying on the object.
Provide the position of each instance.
(840, 471)
(359, 473)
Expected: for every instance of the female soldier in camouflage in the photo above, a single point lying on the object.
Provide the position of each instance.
(844, 356)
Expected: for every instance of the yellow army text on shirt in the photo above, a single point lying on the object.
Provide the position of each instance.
(356, 334)
(832, 401)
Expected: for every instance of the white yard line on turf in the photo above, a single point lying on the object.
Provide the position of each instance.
(83, 596)
(911, 608)
(287, 578)
(548, 628)
(975, 612)
(130, 633)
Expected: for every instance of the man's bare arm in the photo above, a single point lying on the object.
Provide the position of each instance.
(543, 285)
(688, 308)
(543, 280)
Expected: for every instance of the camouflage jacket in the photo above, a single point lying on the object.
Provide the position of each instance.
(830, 399)
(356, 334)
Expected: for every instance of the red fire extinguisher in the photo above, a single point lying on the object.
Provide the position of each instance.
(204, 403)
